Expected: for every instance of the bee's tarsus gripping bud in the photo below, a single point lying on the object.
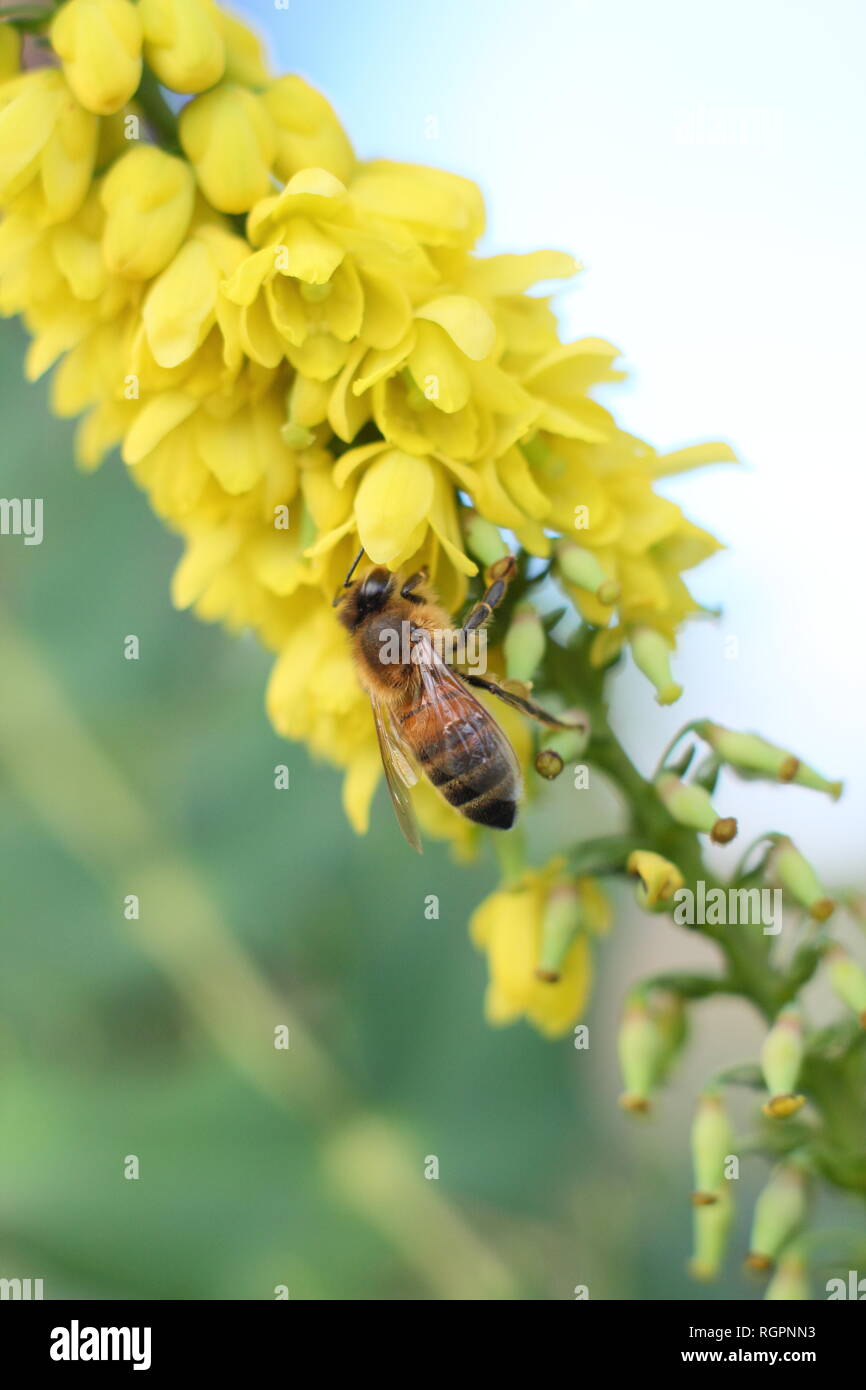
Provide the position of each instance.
(583, 568)
(712, 1139)
(652, 656)
(779, 1213)
(659, 878)
(781, 1059)
(797, 877)
(690, 805)
(483, 539)
(524, 643)
(848, 981)
(561, 923)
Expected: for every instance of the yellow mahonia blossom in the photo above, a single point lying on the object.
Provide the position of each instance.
(298, 353)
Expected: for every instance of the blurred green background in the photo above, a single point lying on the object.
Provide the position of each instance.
(262, 1168)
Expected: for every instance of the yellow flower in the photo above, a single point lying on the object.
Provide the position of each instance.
(228, 137)
(10, 51)
(245, 58)
(659, 878)
(508, 926)
(148, 197)
(47, 145)
(309, 136)
(99, 42)
(183, 42)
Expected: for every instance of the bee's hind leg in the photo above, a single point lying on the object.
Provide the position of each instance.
(525, 706)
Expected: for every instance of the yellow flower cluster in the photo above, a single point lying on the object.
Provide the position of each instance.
(299, 353)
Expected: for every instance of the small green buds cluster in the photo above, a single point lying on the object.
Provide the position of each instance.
(780, 1212)
(652, 657)
(781, 1060)
(753, 756)
(651, 1037)
(795, 875)
(582, 568)
(712, 1140)
(690, 805)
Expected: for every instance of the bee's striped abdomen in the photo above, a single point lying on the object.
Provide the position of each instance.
(463, 758)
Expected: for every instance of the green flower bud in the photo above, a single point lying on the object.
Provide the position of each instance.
(524, 643)
(799, 880)
(483, 538)
(650, 1036)
(568, 743)
(848, 981)
(712, 1139)
(548, 764)
(712, 1225)
(754, 756)
(583, 568)
(781, 1060)
(790, 1283)
(779, 1213)
(561, 923)
(652, 656)
(691, 805)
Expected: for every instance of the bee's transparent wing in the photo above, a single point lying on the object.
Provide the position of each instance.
(400, 772)
(474, 734)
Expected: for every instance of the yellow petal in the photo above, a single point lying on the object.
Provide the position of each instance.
(393, 500)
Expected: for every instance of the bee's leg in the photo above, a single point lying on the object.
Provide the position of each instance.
(408, 590)
(499, 576)
(525, 706)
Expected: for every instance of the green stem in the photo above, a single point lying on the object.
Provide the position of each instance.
(157, 112)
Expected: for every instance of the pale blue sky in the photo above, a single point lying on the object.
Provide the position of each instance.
(705, 162)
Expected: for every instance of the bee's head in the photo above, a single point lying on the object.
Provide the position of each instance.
(368, 596)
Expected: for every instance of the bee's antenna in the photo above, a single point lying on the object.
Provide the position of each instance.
(347, 581)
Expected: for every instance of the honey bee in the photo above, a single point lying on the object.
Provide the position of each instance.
(427, 719)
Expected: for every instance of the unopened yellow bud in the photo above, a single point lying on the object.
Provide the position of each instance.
(99, 43)
(790, 1282)
(652, 656)
(483, 539)
(245, 56)
(183, 43)
(691, 805)
(781, 1059)
(583, 568)
(309, 135)
(659, 878)
(712, 1223)
(10, 51)
(560, 925)
(524, 644)
(148, 197)
(799, 879)
(779, 1213)
(712, 1138)
(848, 981)
(228, 137)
